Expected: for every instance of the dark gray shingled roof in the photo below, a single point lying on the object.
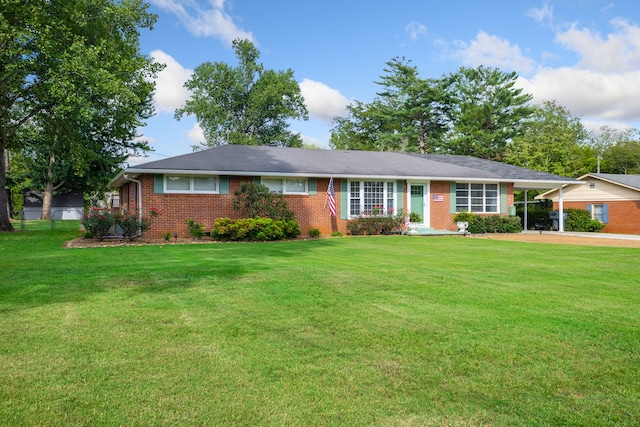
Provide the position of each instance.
(275, 161)
(627, 180)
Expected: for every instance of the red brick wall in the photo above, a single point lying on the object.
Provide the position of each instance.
(441, 216)
(311, 210)
(624, 216)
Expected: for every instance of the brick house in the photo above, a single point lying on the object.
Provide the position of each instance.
(201, 185)
(614, 199)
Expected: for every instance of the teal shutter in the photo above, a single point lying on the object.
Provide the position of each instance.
(257, 180)
(313, 186)
(605, 214)
(503, 198)
(344, 199)
(400, 195)
(224, 184)
(158, 183)
(589, 209)
(452, 197)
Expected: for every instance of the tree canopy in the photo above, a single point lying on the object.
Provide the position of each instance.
(245, 104)
(619, 150)
(554, 141)
(488, 112)
(72, 73)
(409, 114)
(473, 111)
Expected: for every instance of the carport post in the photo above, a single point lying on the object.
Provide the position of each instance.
(560, 211)
(526, 208)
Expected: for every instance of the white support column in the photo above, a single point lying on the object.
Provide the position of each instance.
(526, 211)
(560, 211)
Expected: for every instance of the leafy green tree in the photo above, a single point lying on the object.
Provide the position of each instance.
(244, 104)
(554, 141)
(367, 127)
(409, 114)
(73, 72)
(488, 112)
(619, 150)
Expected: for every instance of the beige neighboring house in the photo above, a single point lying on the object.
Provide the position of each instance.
(614, 199)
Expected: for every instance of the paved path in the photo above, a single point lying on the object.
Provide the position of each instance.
(591, 235)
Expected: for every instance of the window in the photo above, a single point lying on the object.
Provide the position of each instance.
(371, 197)
(599, 212)
(286, 185)
(479, 198)
(190, 184)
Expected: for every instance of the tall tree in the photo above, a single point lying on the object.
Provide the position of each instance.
(75, 74)
(619, 150)
(553, 141)
(245, 104)
(408, 114)
(489, 111)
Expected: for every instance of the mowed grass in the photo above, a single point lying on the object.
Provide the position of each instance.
(392, 330)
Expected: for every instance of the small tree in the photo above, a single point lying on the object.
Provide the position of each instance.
(255, 200)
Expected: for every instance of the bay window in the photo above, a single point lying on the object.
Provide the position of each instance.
(372, 198)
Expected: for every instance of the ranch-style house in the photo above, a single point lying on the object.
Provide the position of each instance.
(201, 185)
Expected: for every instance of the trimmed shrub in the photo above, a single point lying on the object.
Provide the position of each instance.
(314, 232)
(376, 224)
(494, 224)
(580, 220)
(254, 229)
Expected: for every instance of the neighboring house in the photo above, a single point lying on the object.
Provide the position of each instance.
(201, 185)
(614, 199)
(68, 205)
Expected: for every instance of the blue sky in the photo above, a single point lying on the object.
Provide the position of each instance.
(585, 54)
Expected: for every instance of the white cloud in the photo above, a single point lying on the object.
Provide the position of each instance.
(493, 51)
(588, 93)
(618, 52)
(323, 102)
(541, 15)
(170, 91)
(415, 30)
(196, 134)
(201, 21)
(604, 85)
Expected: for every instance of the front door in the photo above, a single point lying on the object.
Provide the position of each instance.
(417, 203)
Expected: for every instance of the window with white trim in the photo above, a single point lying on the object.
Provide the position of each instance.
(372, 198)
(191, 184)
(287, 185)
(479, 198)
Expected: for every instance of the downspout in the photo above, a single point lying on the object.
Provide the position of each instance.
(139, 203)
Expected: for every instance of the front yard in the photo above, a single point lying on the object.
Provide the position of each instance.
(383, 330)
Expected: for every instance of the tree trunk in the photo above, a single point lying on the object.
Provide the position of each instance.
(5, 224)
(47, 196)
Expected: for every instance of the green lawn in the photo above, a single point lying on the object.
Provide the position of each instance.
(397, 331)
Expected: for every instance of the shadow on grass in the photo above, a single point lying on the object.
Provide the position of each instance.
(37, 270)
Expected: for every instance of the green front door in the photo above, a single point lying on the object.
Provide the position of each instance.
(417, 201)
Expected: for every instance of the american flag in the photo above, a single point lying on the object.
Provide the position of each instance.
(438, 198)
(332, 198)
